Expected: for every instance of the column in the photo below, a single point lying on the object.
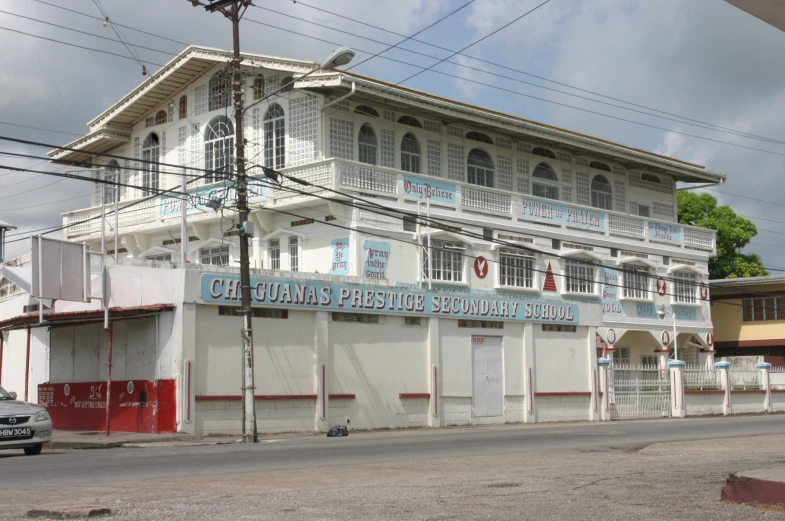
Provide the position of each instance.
(723, 367)
(678, 409)
(322, 371)
(434, 373)
(529, 412)
(603, 366)
(765, 383)
(184, 365)
(594, 376)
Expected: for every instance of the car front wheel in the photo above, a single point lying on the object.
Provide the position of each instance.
(35, 450)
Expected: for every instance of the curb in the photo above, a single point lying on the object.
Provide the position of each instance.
(112, 444)
(740, 488)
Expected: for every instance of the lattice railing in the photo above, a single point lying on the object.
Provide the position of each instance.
(702, 379)
(370, 179)
(744, 380)
(626, 225)
(319, 176)
(485, 199)
(698, 238)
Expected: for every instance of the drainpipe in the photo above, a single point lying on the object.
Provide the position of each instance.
(27, 363)
(333, 102)
(110, 331)
(2, 340)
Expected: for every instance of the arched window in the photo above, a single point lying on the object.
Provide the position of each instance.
(410, 121)
(182, 107)
(219, 92)
(111, 175)
(651, 178)
(365, 110)
(601, 193)
(544, 152)
(410, 153)
(480, 166)
(219, 148)
(600, 166)
(258, 87)
(367, 145)
(479, 136)
(287, 84)
(545, 183)
(160, 117)
(274, 138)
(151, 155)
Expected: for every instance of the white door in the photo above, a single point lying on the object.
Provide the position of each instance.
(488, 388)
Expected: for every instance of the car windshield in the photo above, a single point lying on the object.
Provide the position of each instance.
(4, 395)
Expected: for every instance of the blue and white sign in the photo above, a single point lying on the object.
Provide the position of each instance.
(611, 305)
(436, 191)
(650, 311)
(340, 263)
(225, 289)
(198, 198)
(664, 232)
(376, 259)
(555, 213)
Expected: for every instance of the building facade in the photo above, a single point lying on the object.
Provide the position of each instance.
(432, 263)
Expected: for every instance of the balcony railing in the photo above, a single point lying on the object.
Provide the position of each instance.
(338, 174)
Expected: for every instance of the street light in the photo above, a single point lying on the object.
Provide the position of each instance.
(339, 57)
(661, 313)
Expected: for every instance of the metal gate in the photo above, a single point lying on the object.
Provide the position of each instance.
(639, 391)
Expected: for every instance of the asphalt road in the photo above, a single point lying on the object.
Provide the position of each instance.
(55, 468)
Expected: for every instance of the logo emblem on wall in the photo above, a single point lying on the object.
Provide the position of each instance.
(67, 389)
(666, 338)
(611, 336)
(704, 291)
(481, 267)
(662, 287)
(709, 339)
(130, 387)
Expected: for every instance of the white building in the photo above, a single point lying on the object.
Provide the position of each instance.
(549, 244)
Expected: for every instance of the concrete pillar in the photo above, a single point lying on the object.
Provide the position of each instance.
(184, 365)
(765, 383)
(663, 355)
(594, 377)
(724, 368)
(434, 373)
(321, 347)
(529, 412)
(678, 408)
(603, 366)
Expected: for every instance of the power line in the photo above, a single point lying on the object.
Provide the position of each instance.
(39, 128)
(45, 204)
(738, 132)
(743, 197)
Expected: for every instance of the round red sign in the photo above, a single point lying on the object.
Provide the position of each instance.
(662, 288)
(709, 339)
(666, 338)
(480, 267)
(611, 336)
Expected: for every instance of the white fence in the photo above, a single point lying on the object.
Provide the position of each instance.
(744, 379)
(639, 391)
(777, 377)
(698, 378)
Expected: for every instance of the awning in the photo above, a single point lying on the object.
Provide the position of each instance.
(82, 317)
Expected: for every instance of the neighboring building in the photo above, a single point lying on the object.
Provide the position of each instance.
(509, 332)
(749, 319)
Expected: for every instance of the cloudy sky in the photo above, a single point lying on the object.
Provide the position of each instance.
(700, 59)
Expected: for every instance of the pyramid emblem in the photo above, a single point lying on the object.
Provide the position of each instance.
(550, 282)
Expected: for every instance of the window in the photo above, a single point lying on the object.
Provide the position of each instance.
(482, 324)
(287, 84)
(111, 175)
(601, 193)
(650, 361)
(274, 250)
(160, 117)
(366, 111)
(258, 87)
(294, 253)
(367, 145)
(561, 328)
(410, 121)
(216, 256)
(182, 107)
(651, 178)
(544, 152)
(600, 166)
(771, 308)
(447, 262)
(643, 211)
(409, 223)
(516, 269)
(412, 321)
(479, 136)
(274, 139)
(163, 257)
(362, 318)
(219, 92)
(636, 282)
(410, 153)
(219, 148)
(580, 276)
(480, 166)
(621, 355)
(544, 172)
(151, 154)
(684, 287)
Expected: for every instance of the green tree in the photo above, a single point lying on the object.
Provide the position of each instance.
(733, 234)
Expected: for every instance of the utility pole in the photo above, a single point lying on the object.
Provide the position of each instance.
(234, 11)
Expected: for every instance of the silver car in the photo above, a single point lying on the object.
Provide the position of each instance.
(23, 425)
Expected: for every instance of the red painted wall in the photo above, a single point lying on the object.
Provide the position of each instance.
(135, 406)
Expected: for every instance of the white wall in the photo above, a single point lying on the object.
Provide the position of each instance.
(704, 403)
(561, 361)
(14, 361)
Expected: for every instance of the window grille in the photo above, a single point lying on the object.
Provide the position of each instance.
(650, 182)
(304, 122)
(503, 142)
(434, 158)
(274, 138)
(601, 193)
(516, 269)
(389, 115)
(215, 256)
(505, 172)
(219, 149)
(182, 107)
(111, 175)
(582, 188)
(294, 253)
(455, 162)
(432, 126)
(151, 151)
(636, 282)
(447, 264)
(480, 168)
(619, 196)
(366, 145)
(410, 153)
(770, 308)
(341, 138)
(621, 356)
(544, 172)
(274, 250)
(182, 136)
(220, 92)
(663, 210)
(410, 121)
(365, 110)
(200, 93)
(452, 130)
(163, 257)
(388, 148)
(580, 276)
(684, 287)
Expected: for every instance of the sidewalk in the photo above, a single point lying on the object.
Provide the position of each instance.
(98, 440)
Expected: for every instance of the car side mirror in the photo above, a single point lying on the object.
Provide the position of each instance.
(13, 395)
